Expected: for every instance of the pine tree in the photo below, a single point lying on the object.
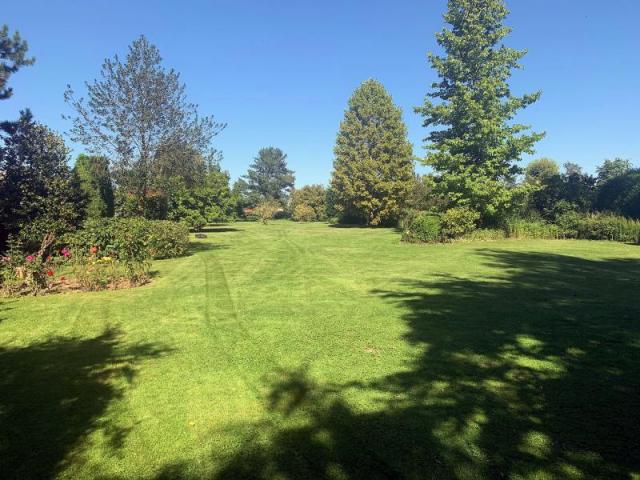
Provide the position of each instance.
(474, 146)
(268, 177)
(13, 55)
(373, 166)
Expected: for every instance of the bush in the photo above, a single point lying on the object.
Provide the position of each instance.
(168, 239)
(528, 229)
(603, 226)
(266, 210)
(132, 239)
(304, 213)
(458, 221)
(422, 227)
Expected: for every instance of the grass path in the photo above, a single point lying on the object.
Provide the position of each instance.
(307, 351)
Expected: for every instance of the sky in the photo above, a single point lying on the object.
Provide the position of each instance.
(280, 73)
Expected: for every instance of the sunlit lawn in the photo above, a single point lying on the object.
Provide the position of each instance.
(307, 351)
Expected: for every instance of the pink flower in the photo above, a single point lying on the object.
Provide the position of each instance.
(65, 252)
(6, 259)
(29, 258)
(93, 250)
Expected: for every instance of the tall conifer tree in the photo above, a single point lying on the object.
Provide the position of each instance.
(373, 166)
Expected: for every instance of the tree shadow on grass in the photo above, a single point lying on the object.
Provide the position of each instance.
(53, 395)
(221, 228)
(532, 373)
(199, 246)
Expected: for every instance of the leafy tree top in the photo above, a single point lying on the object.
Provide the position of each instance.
(472, 123)
(13, 55)
(268, 176)
(613, 168)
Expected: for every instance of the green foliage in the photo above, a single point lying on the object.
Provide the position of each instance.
(304, 213)
(612, 168)
(539, 171)
(266, 210)
(268, 178)
(39, 194)
(422, 227)
(520, 228)
(621, 194)
(132, 239)
(311, 196)
(13, 55)
(210, 201)
(599, 226)
(137, 115)
(554, 194)
(373, 166)
(476, 150)
(95, 182)
(423, 195)
(485, 235)
(458, 221)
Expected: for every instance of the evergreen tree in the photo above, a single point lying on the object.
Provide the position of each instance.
(268, 177)
(373, 166)
(39, 193)
(13, 55)
(95, 181)
(474, 145)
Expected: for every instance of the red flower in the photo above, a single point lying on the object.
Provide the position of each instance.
(50, 273)
(29, 258)
(62, 279)
(93, 250)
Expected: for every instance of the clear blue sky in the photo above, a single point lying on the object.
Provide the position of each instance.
(280, 72)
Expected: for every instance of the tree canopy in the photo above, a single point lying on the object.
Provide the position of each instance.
(268, 177)
(13, 55)
(138, 115)
(474, 145)
(373, 165)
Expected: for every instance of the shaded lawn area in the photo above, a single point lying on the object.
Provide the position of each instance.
(302, 351)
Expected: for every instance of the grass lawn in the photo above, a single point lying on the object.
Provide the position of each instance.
(306, 351)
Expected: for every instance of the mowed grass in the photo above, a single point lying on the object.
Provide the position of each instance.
(307, 351)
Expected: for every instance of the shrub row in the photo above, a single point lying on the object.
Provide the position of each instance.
(459, 223)
(132, 238)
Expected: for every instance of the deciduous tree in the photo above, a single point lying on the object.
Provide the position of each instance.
(474, 145)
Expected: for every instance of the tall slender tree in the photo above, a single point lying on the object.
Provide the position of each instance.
(373, 166)
(95, 181)
(474, 146)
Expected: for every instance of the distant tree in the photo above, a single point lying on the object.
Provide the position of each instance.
(138, 116)
(424, 196)
(39, 193)
(13, 55)
(621, 194)
(267, 209)
(312, 196)
(95, 181)
(304, 213)
(611, 169)
(209, 202)
(373, 166)
(538, 171)
(475, 152)
(268, 177)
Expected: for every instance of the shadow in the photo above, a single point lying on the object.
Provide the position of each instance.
(350, 225)
(196, 246)
(531, 373)
(4, 308)
(54, 394)
(219, 229)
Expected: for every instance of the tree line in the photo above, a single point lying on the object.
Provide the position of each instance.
(151, 154)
